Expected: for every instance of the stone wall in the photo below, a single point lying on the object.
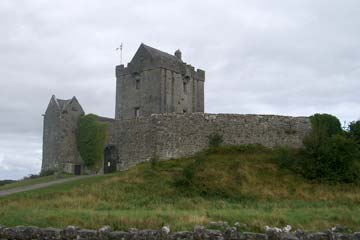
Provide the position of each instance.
(59, 135)
(199, 233)
(167, 136)
(157, 82)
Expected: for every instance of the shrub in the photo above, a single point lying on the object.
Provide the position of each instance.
(91, 140)
(215, 140)
(354, 130)
(326, 124)
(329, 154)
(323, 126)
(337, 160)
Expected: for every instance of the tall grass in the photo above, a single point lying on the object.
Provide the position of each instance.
(228, 183)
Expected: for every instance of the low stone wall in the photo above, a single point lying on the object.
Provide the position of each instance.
(167, 136)
(199, 233)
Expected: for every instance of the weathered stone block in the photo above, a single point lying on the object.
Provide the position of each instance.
(119, 235)
(184, 235)
(50, 234)
(252, 236)
(343, 236)
(318, 236)
(69, 233)
(85, 234)
(356, 236)
(231, 233)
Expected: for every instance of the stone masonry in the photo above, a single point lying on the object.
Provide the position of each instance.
(59, 135)
(199, 233)
(159, 113)
(157, 82)
(167, 136)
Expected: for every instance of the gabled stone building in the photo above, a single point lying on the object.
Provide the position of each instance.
(59, 135)
(159, 113)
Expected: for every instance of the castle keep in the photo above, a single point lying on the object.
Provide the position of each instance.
(159, 113)
(157, 82)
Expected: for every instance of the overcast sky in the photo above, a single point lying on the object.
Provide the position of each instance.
(286, 57)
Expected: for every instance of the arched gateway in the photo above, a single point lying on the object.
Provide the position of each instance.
(110, 159)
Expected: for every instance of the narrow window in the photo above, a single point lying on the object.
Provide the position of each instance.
(185, 87)
(137, 83)
(137, 112)
(184, 111)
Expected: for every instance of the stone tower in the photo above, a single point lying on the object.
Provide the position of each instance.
(59, 136)
(158, 82)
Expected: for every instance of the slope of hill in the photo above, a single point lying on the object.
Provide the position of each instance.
(238, 184)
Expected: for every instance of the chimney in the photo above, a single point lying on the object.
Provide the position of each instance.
(178, 54)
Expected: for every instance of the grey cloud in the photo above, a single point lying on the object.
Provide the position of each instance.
(275, 57)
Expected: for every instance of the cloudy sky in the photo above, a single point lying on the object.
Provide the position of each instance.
(293, 57)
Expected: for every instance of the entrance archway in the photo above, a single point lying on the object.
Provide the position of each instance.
(110, 159)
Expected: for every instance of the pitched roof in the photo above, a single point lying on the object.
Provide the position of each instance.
(147, 57)
(156, 53)
(63, 103)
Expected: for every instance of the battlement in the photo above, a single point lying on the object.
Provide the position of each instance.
(159, 112)
(157, 82)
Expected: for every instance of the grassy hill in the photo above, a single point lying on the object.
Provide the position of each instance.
(238, 184)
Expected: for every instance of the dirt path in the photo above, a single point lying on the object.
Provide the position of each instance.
(39, 185)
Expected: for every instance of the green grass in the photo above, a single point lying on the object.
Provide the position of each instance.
(230, 184)
(27, 182)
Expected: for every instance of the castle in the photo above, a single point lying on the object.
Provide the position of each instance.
(159, 113)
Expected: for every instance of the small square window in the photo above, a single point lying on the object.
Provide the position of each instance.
(137, 83)
(137, 112)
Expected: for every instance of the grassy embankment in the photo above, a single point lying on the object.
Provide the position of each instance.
(32, 181)
(226, 185)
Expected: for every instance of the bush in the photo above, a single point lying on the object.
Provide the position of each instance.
(323, 126)
(354, 130)
(328, 153)
(91, 140)
(215, 140)
(337, 160)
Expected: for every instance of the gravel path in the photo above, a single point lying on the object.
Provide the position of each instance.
(39, 185)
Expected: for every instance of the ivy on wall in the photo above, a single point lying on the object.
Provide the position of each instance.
(91, 139)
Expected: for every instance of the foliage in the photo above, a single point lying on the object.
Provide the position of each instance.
(328, 153)
(337, 160)
(323, 126)
(215, 140)
(240, 187)
(354, 130)
(4, 182)
(91, 140)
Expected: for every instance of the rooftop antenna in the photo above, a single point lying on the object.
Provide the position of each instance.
(120, 49)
